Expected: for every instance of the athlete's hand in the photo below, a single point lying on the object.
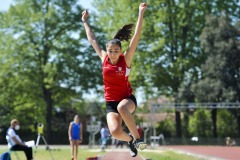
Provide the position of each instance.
(84, 15)
(142, 7)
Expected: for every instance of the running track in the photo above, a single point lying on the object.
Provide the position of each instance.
(119, 155)
(203, 152)
(209, 152)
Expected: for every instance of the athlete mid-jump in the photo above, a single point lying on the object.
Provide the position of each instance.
(116, 66)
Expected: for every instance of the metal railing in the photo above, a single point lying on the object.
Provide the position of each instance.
(209, 105)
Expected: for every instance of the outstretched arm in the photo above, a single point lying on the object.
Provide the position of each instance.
(91, 37)
(134, 41)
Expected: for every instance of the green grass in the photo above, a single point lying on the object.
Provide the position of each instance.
(63, 153)
(166, 155)
(56, 154)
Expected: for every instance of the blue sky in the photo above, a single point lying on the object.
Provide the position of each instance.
(6, 3)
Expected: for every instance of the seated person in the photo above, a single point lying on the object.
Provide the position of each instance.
(14, 141)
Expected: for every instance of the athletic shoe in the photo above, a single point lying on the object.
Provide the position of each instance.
(133, 150)
(139, 144)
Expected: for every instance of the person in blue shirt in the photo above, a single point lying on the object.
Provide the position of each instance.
(75, 136)
(105, 135)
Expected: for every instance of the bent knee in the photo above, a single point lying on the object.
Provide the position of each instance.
(122, 109)
(115, 132)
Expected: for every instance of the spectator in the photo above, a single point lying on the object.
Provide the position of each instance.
(140, 131)
(230, 141)
(105, 134)
(14, 141)
(119, 143)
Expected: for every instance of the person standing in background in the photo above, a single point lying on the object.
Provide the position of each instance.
(105, 134)
(140, 131)
(75, 136)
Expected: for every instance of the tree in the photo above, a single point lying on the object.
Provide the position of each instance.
(226, 124)
(49, 59)
(192, 75)
(169, 43)
(220, 72)
(200, 123)
(166, 46)
(167, 128)
(178, 47)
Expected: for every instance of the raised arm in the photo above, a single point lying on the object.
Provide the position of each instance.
(134, 41)
(91, 37)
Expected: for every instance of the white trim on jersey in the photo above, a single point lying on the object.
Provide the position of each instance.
(127, 71)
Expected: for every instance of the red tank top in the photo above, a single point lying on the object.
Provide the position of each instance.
(115, 79)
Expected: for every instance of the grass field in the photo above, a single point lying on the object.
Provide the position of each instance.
(63, 153)
(166, 155)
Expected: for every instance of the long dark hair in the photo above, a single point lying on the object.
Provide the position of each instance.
(123, 34)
